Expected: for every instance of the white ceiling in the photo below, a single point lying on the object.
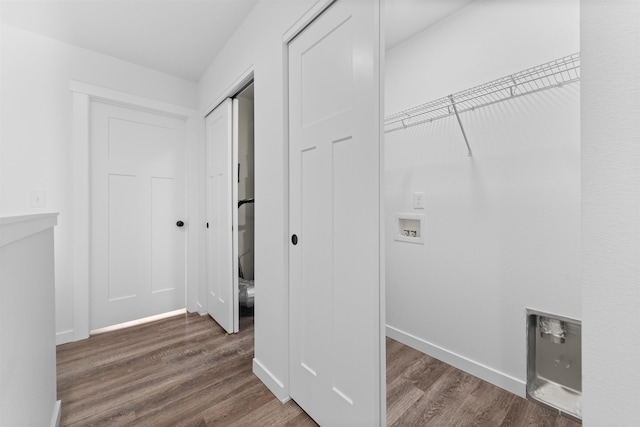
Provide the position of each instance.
(179, 37)
(406, 18)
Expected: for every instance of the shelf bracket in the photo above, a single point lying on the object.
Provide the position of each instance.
(464, 135)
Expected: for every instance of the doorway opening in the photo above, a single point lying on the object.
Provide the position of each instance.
(246, 201)
(137, 177)
(230, 216)
(481, 171)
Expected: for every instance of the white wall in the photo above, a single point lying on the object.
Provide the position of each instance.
(503, 227)
(486, 40)
(258, 45)
(611, 212)
(36, 140)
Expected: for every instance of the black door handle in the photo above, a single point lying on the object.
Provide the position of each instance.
(180, 223)
(294, 239)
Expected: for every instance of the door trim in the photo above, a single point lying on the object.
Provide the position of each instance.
(130, 100)
(244, 80)
(235, 229)
(316, 10)
(83, 94)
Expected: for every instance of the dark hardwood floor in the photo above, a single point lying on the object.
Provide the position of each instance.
(423, 391)
(185, 371)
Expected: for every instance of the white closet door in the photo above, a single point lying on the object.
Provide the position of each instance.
(222, 288)
(137, 198)
(335, 282)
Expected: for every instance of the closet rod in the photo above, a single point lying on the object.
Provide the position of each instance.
(552, 74)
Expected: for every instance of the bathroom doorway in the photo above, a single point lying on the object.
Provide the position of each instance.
(244, 232)
(230, 215)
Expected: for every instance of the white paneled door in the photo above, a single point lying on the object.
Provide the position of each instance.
(336, 334)
(221, 189)
(137, 201)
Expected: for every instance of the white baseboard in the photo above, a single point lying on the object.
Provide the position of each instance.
(200, 309)
(57, 412)
(273, 384)
(472, 367)
(64, 337)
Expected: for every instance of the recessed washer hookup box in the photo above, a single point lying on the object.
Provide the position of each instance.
(554, 363)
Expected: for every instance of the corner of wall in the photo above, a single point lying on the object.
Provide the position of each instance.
(610, 155)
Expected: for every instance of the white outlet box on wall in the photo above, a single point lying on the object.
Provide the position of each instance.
(418, 200)
(410, 228)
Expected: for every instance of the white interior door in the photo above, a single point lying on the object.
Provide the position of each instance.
(137, 199)
(336, 334)
(222, 275)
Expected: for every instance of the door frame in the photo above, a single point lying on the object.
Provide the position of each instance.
(244, 80)
(231, 91)
(316, 10)
(83, 94)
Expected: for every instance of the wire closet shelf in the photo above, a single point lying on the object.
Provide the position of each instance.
(546, 76)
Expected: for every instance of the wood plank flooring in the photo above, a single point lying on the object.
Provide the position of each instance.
(185, 371)
(423, 391)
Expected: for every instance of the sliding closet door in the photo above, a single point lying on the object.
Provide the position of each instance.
(222, 288)
(335, 281)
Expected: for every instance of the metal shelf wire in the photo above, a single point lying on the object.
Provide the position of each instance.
(546, 76)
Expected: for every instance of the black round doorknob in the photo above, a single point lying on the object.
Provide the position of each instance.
(180, 224)
(294, 239)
